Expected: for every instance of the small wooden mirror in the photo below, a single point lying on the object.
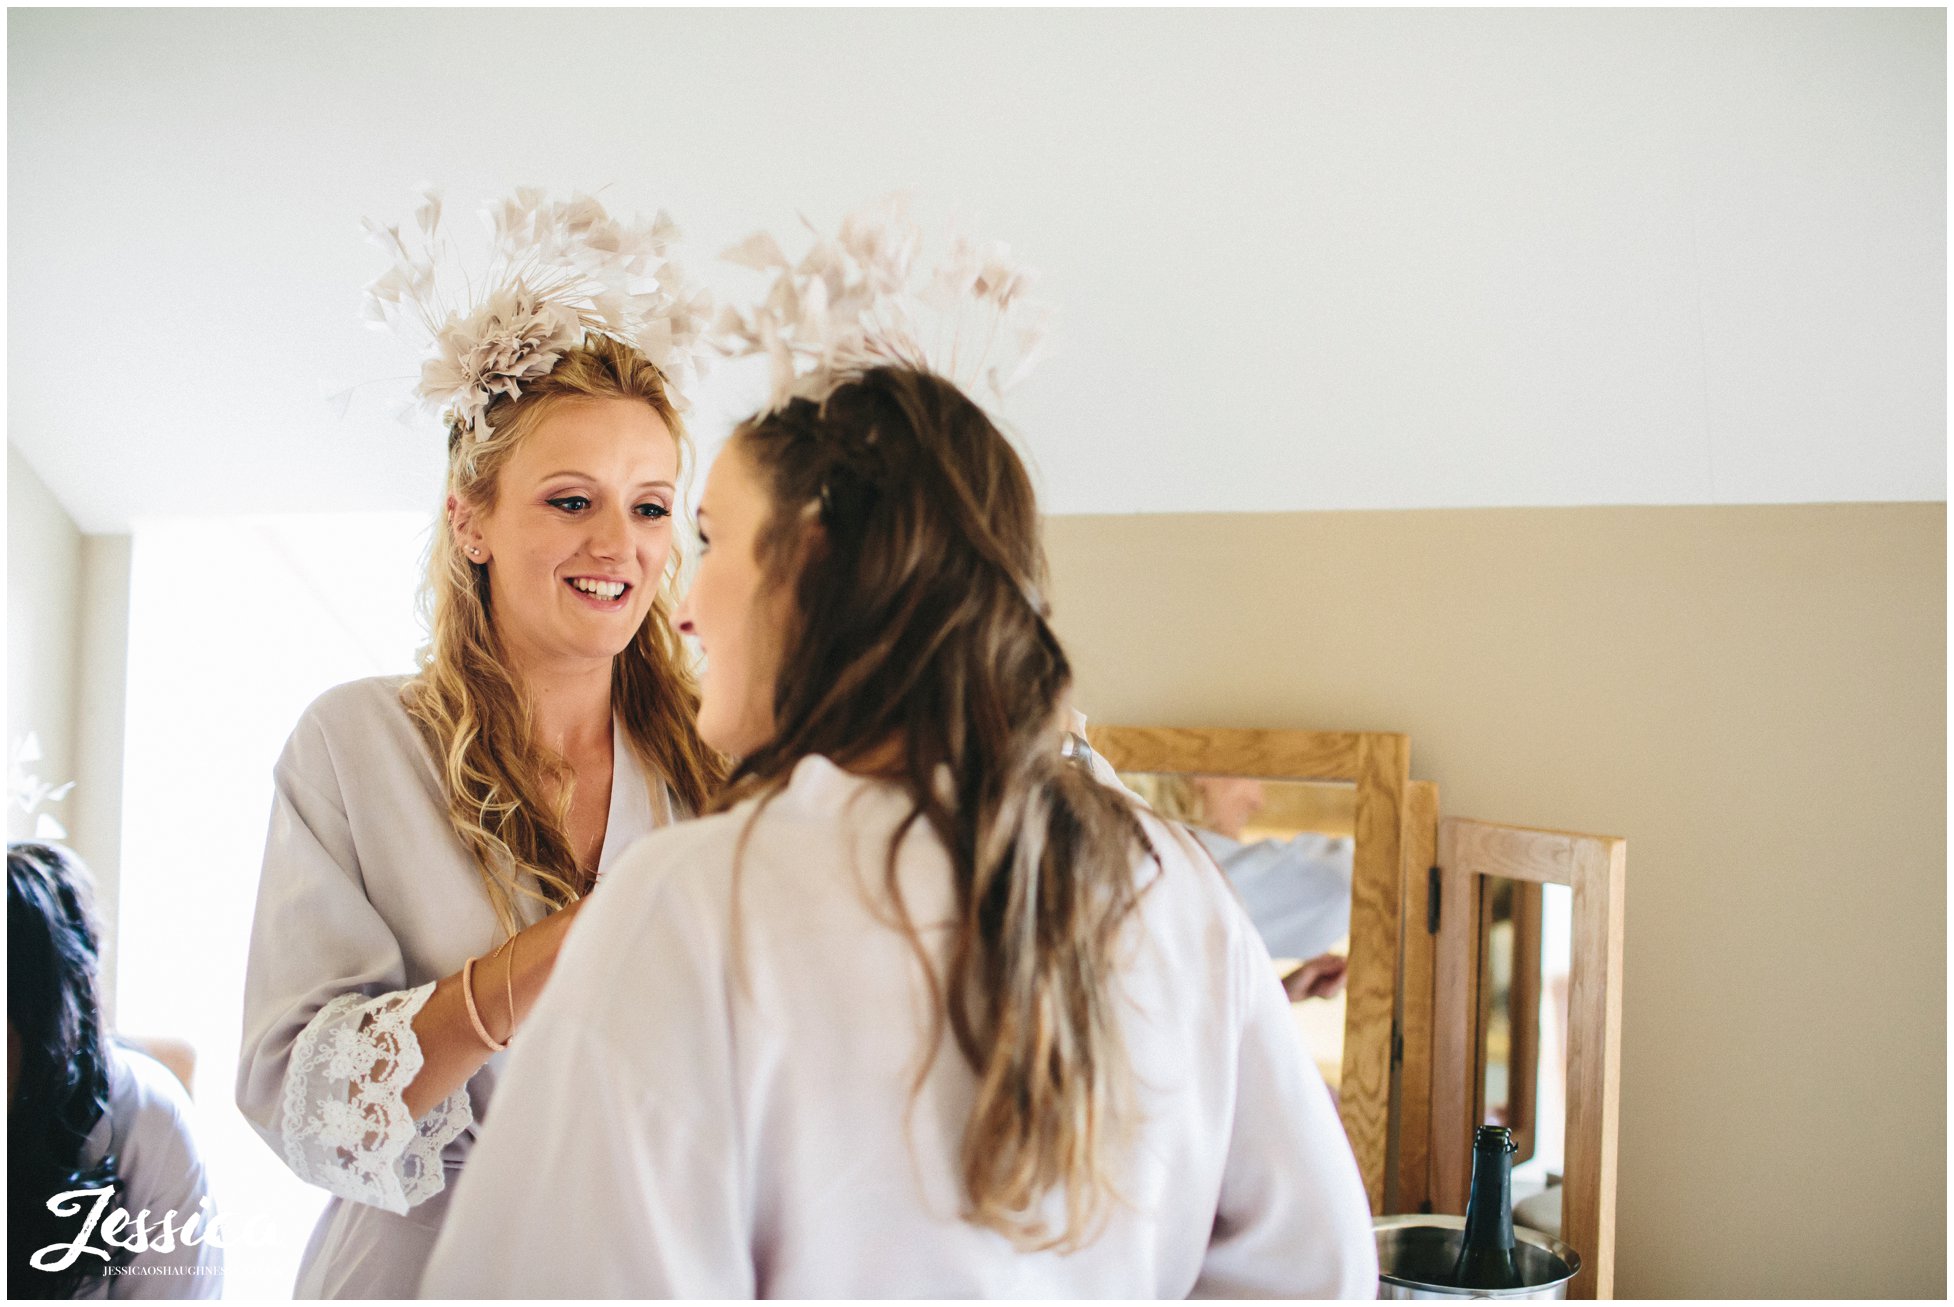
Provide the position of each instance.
(1479, 864)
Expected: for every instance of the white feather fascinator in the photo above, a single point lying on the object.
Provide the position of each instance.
(863, 298)
(556, 270)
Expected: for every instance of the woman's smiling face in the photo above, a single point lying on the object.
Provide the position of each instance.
(580, 532)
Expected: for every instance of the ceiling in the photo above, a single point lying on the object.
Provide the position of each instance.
(1304, 259)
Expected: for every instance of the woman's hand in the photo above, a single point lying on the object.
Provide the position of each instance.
(1320, 977)
(531, 956)
(506, 985)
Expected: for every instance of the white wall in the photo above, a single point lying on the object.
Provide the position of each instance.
(1306, 258)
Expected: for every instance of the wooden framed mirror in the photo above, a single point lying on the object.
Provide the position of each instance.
(1369, 784)
(1478, 863)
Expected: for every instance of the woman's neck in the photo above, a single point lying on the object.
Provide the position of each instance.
(571, 708)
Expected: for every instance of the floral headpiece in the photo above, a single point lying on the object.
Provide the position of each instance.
(860, 299)
(556, 271)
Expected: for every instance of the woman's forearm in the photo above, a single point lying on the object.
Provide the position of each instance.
(451, 1048)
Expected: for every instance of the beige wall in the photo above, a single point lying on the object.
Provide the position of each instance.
(67, 665)
(1755, 697)
(43, 627)
(101, 718)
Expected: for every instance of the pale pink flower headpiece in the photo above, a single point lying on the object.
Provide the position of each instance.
(862, 299)
(556, 270)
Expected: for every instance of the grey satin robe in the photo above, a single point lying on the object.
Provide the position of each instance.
(366, 899)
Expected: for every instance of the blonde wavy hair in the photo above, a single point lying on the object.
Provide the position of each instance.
(509, 799)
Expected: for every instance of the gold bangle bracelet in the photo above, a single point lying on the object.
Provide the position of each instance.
(509, 986)
(474, 1013)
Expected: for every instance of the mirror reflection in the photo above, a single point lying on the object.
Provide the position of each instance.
(1509, 1007)
(1525, 929)
(1287, 848)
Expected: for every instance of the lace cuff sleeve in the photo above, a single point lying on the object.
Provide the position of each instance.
(346, 1124)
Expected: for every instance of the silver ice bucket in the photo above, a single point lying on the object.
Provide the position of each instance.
(1415, 1256)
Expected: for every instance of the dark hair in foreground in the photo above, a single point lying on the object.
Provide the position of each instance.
(904, 541)
(54, 1006)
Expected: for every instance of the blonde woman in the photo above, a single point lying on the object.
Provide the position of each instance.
(924, 1009)
(433, 837)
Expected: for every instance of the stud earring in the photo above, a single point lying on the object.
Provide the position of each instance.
(474, 551)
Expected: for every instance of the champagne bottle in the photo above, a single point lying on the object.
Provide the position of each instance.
(1486, 1256)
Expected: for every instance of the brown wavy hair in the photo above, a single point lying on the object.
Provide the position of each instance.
(508, 798)
(915, 616)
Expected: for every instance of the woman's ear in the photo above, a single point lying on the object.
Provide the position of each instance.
(467, 534)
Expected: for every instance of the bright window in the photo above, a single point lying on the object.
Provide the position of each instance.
(235, 625)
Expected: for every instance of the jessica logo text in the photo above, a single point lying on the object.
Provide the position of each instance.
(138, 1234)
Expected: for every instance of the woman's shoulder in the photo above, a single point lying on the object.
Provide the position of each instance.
(359, 738)
(360, 702)
(1184, 872)
(150, 1109)
(783, 842)
(143, 1085)
(354, 720)
(696, 855)
(1177, 849)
